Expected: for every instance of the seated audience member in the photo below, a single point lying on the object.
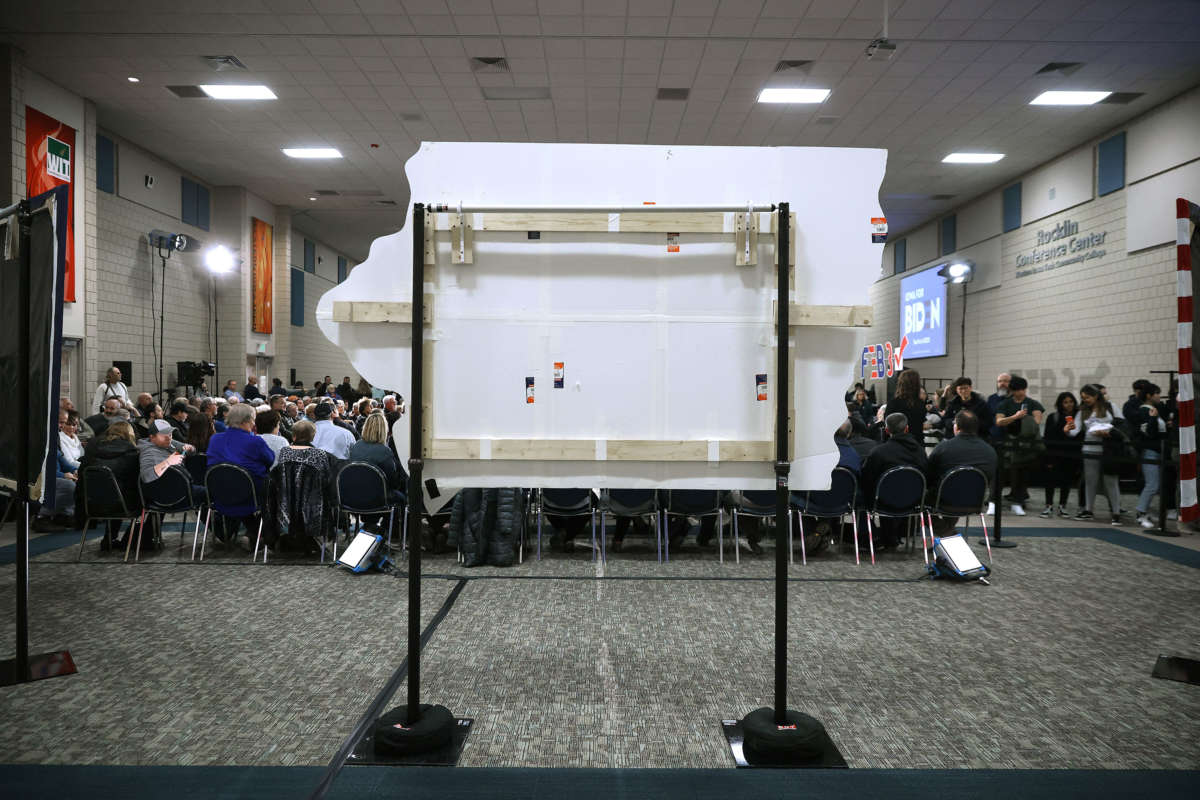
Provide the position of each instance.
(346, 391)
(1063, 460)
(301, 501)
(141, 425)
(250, 390)
(208, 407)
(338, 418)
(363, 389)
(862, 405)
(965, 449)
(231, 392)
(115, 448)
(84, 431)
(160, 451)
(177, 418)
(239, 445)
(111, 413)
(1011, 414)
(900, 448)
(266, 422)
(111, 388)
(859, 439)
(373, 449)
(290, 416)
(200, 431)
(330, 437)
(61, 517)
(144, 404)
(848, 456)
(69, 443)
(964, 398)
(277, 388)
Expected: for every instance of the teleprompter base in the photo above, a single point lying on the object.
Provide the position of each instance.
(1003, 544)
(830, 757)
(1177, 668)
(364, 752)
(43, 665)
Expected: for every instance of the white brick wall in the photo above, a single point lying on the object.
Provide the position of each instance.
(312, 354)
(1109, 320)
(126, 272)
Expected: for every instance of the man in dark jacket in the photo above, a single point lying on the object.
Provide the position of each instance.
(964, 399)
(899, 449)
(966, 449)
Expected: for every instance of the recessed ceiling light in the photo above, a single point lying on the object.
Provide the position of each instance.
(237, 91)
(132, 79)
(313, 199)
(1060, 98)
(312, 152)
(972, 158)
(793, 95)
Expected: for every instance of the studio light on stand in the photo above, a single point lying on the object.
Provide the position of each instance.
(960, 272)
(164, 243)
(218, 260)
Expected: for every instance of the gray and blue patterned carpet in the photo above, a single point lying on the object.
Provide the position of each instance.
(569, 663)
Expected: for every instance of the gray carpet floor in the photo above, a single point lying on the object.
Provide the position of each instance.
(232, 663)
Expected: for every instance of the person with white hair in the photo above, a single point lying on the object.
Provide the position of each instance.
(240, 445)
(112, 387)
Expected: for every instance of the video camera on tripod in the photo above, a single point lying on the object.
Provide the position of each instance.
(192, 373)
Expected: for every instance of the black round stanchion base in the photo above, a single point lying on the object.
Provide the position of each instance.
(395, 736)
(802, 740)
(1000, 545)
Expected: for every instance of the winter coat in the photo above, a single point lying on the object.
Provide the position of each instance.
(976, 404)
(898, 450)
(484, 524)
(121, 457)
(300, 498)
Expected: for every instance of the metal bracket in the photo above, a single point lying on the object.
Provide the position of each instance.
(462, 238)
(745, 227)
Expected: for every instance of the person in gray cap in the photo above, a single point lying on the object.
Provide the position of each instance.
(331, 438)
(159, 451)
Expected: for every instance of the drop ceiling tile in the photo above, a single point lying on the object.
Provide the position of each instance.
(647, 26)
(519, 25)
(390, 25)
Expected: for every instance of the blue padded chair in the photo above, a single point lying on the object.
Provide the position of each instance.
(695, 503)
(961, 492)
(171, 493)
(836, 501)
(362, 489)
(899, 494)
(631, 503)
(231, 485)
(103, 502)
(567, 503)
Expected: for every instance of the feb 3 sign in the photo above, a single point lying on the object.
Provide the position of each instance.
(882, 360)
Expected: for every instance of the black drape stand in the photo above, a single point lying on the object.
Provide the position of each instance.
(22, 668)
(998, 500)
(777, 736)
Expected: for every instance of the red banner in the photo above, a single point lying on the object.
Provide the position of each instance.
(50, 162)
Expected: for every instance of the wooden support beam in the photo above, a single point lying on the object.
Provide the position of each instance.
(378, 311)
(800, 315)
(585, 450)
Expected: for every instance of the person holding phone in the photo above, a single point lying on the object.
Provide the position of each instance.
(1062, 455)
(1095, 421)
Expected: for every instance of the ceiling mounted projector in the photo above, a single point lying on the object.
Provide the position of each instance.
(883, 48)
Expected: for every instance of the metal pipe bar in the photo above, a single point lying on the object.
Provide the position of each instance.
(538, 209)
(782, 465)
(416, 499)
(24, 355)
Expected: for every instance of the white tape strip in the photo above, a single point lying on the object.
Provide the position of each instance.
(1183, 231)
(1187, 493)
(1186, 390)
(485, 449)
(614, 223)
(727, 224)
(714, 450)
(1187, 440)
(1183, 283)
(602, 449)
(1185, 334)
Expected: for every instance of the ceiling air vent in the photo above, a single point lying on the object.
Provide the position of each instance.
(1122, 98)
(516, 92)
(411, 117)
(829, 120)
(187, 91)
(794, 67)
(1060, 68)
(942, 196)
(495, 64)
(361, 193)
(327, 192)
(383, 202)
(223, 63)
(673, 94)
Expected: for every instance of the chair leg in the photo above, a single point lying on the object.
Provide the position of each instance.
(391, 522)
(595, 550)
(539, 552)
(203, 539)
(183, 529)
(986, 543)
(82, 536)
(404, 531)
(667, 539)
(258, 539)
(603, 541)
(737, 546)
(924, 548)
(658, 531)
(141, 529)
(721, 539)
(129, 538)
(871, 538)
(791, 544)
(854, 518)
(803, 550)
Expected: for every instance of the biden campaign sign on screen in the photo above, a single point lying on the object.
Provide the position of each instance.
(923, 314)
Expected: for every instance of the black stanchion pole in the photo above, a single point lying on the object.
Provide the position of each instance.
(22, 672)
(416, 497)
(782, 464)
(1164, 451)
(998, 501)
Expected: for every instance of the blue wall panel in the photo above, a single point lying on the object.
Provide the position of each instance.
(1110, 165)
(297, 298)
(1012, 207)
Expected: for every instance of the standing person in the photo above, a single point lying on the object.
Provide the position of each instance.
(1095, 420)
(112, 387)
(1020, 416)
(1062, 455)
(1149, 430)
(997, 433)
(1130, 409)
(909, 403)
(962, 397)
